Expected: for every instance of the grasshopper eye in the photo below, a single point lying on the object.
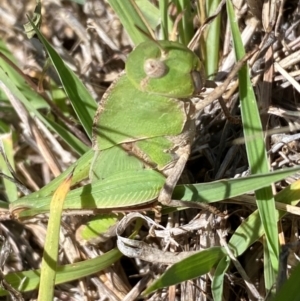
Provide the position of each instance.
(155, 68)
(198, 80)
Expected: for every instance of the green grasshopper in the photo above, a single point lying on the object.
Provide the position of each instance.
(145, 119)
(144, 123)
(142, 134)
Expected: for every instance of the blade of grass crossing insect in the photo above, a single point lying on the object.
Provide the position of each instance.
(95, 193)
(83, 103)
(255, 147)
(49, 262)
(83, 165)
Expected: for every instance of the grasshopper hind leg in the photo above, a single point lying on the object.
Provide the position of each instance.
(165, 195)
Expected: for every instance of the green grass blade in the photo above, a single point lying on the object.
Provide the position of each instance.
(35, 99)
(252, 229)
(8, 77)
(165, 21)
(50, 254)
(255, 148)
(218, 279)
(212, 40)
(269, 275)
(92, 195)
(81, 172)
(132, 18)
(150, 13)
(29, 280)
(185, 25)
(83, 103)
(188, 268)
(74, 143)
(222, 189)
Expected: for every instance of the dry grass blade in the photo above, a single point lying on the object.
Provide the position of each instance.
(33, 129)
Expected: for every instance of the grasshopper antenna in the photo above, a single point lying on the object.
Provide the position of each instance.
(150, 37)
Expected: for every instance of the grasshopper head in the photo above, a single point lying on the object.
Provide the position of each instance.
(165, 68)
